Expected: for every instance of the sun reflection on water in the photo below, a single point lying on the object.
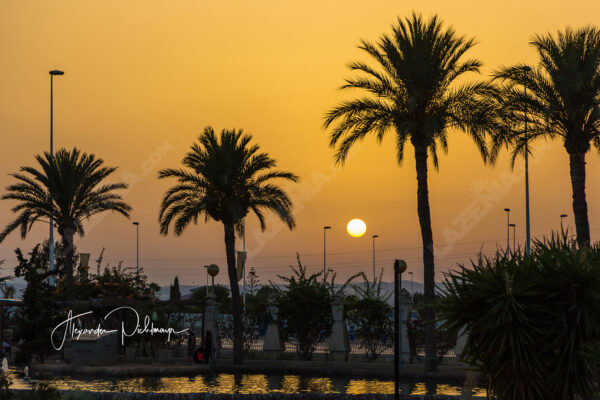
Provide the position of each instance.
(244, 384)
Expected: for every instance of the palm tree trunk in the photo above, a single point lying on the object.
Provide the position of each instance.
(428, 261)
(68, 252)
(238, 351)
(582, 225)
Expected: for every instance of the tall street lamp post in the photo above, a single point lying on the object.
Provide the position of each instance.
(53, 73)
(526, 69)
(325, 229)
(374, 237)
(513, 226)
(507, 229)
(562, 217)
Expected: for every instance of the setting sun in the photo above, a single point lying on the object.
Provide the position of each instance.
(356, 227)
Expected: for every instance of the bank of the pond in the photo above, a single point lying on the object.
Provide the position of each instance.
(85, 395)
(452, 373)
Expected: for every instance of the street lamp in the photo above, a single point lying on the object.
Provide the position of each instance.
(213, 270)
(325, 228)
(374, 237)
(526, 69)
(399, 268)
(137, 247)
(412, 292)
(562, 216)
(52, 73)
(514, 240)
(507, 229)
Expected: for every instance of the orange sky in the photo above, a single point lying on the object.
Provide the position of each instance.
(142, 78)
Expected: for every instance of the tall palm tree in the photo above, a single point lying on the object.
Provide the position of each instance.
(562, 102)
(411, 90)
(70, 187)
(225, 179)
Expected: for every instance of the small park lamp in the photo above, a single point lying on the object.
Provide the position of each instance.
(399, 268)
(213, 270)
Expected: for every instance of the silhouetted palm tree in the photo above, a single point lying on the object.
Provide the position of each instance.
(69, 187)
(562, 101)
(411, 91)
(225, 179)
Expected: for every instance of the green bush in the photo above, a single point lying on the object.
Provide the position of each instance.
(369, 310)
(305, 305)
(530, 320)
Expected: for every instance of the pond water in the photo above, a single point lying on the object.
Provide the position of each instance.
(244, 384)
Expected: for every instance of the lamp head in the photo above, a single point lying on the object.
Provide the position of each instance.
(563, 215)
(375, 236)
(399, 266)
(507, 209)
(326, 227)
(135, 223)
(213, 270)
(512, 225)
(56, 72)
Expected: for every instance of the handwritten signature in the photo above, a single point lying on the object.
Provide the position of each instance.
(141, 327)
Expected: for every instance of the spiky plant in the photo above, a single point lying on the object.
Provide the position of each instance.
(530, 320)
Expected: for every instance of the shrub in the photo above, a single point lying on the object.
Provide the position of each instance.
(369, 310)
(530, 319)
(305, 306)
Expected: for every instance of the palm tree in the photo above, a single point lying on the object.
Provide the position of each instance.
(562, 101)
(412, 91)
(225, 178)
(70, 187)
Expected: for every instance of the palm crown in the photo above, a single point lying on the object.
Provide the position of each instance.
(225, 178)
(413, 91)
(563, 93)
(68, 187)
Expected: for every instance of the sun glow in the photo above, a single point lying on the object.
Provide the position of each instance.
(356, 227)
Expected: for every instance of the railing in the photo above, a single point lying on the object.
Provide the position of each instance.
(290, 346)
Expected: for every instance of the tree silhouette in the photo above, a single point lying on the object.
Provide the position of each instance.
(174, 293)
(70, 187)
(411, 90)
(224, 179)
(562, 102)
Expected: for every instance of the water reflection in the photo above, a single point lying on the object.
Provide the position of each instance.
(245, 384)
